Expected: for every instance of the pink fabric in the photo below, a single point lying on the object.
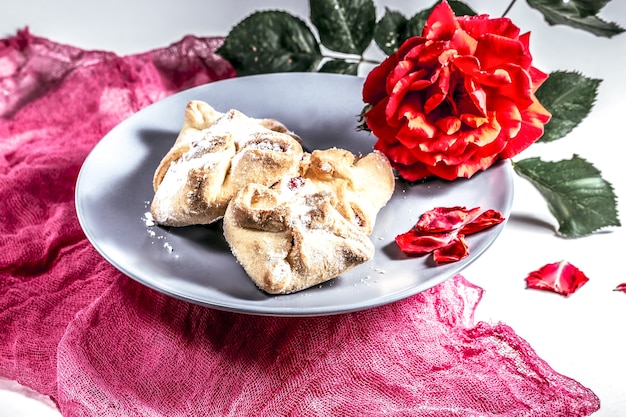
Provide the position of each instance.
(98, 343)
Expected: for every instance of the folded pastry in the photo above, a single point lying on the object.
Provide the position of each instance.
(362, 185)
(309, 228)
(215, 155)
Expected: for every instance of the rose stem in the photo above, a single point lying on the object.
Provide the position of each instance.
(508, 9)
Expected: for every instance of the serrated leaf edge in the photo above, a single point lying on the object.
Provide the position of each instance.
(547, 187)
(598, 82)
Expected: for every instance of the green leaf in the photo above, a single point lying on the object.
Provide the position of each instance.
(579, 14)
(345, 26)
(390, 31)
(580, 200)
(569, 96)
(340, 66)
(590, 7)
(415, 25)
(271, 41)
(362, 126)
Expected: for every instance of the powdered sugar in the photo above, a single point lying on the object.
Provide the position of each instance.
(152, 228)
(168, 247)
(148, 219)
(173, 188)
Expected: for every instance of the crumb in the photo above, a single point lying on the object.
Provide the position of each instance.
(148, 219)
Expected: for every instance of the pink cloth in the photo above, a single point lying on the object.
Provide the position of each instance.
(74, 328)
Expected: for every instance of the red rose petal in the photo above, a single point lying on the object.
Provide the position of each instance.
(621, 287)
(450, 124)
(442, 231)
(446, 219)
(494, 51)
(412, 172)
(477, 26)
(409, 46)
(441, 23)
(454, 252)
(485, 220)
(374, 86)
(559, 277)
(415, 243)
(463, 43)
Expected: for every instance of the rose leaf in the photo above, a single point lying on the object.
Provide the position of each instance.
(345, 26)
(590, 8)
(390, 31)
(569, 96)
(271, 41)
(559, 277)
(340, 66)
(415, 25)
(578, 197)
(578, 14)
(461, 9)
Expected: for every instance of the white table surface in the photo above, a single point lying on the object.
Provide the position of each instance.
(582, 336)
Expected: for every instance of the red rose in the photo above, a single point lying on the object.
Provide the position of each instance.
(455, 100)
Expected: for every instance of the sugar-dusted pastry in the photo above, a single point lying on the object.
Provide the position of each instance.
(310, 228)
(215, 155)
(362, 185)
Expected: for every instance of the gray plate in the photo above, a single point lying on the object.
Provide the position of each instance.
(114, 191)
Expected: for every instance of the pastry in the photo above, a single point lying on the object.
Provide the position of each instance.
(309, 228)
(362, 185)
(215, 155)
(293, 219)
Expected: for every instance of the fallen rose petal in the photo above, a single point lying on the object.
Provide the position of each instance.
(621, 287)
(559, 277)
(454, 252)
(446, 219)
(415, 243)
(484, 221)
(442, 231)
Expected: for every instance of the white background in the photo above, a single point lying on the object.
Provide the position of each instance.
(581, 336)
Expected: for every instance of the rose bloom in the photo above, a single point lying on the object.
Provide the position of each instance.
(455, 100)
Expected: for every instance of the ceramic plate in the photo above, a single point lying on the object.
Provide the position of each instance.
(114, 191)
